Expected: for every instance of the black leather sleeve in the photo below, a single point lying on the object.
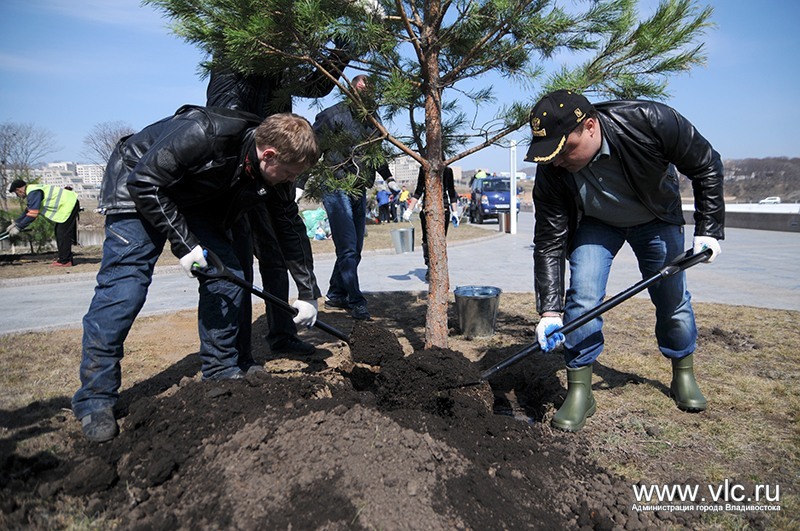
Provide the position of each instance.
(554, 212)
(694, 157)
(183, 145)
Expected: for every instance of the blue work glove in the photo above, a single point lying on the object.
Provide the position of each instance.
(546, 326)
(454, 220)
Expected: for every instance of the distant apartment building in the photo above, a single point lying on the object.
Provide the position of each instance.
(84, 179)
(406, 170)
(90, 173)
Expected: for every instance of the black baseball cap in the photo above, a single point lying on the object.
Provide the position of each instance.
(17, 183)
(552, 119)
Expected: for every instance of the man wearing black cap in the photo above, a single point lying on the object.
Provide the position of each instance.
(607, 175)
(56, 204)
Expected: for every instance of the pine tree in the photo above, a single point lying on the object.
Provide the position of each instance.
(434, 64)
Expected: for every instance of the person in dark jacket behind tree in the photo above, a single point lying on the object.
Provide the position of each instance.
(342, 134)
(450, 205)
(264, 94)
(186, 179)
(605, 176)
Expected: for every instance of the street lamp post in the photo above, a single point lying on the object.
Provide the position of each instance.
(512, 193)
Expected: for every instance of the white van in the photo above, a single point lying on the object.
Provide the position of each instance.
(770, 201)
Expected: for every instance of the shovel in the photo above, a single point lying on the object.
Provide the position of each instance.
(218, 270)
(5, 235)
(684, 261)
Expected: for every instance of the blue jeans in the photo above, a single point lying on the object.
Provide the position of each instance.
(655, 244)
(347, 218)
(130, 251)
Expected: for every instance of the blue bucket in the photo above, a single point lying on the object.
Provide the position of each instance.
(477, 309)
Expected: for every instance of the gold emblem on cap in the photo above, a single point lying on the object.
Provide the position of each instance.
(579, 114)
(551, 156)
(536, 127)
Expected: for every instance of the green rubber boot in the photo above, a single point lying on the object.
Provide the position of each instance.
(579, 404)
(684, 388)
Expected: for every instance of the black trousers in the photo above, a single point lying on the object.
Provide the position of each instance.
(274, 274)
(424, 223)
(65, 233)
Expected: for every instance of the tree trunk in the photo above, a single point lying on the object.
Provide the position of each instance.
(436, 328)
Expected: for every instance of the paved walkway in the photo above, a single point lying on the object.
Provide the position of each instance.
(757, 268)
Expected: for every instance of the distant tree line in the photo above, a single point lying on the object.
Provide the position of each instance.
(750, 180)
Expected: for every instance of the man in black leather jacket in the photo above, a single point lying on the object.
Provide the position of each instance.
(186, 179)
(607, 175)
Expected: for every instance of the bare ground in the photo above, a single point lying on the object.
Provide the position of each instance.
(382, 434)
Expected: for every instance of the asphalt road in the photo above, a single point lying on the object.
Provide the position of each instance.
(756, 268)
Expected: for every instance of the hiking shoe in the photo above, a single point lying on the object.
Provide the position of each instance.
(249, 365)
(255, 369)
(293, 345)
(339, 304)
(61, 264)
(360, 312)
(237, 374)
(100, 426)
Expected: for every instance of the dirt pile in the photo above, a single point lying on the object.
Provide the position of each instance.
(393, 442)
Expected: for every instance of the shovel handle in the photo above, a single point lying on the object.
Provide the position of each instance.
(218, 270)
(681, 263)
(5, 235)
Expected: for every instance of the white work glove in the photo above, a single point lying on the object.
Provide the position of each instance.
(306, 312)
(407, 215)
(12, 229)
(298, 194)
(454, 218)
(545, 326)
(372, 7)
(702, 243)
(196, 257)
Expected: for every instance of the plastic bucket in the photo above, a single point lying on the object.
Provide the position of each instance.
(477, 309)
(403, 240)
(504, 222)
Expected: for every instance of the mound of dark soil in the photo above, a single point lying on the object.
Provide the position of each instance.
(398, 442)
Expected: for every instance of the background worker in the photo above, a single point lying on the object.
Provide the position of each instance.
(384, 199)
(402, 200)
(186, 179)
(58, 205)
(605, 176)
(450, 205)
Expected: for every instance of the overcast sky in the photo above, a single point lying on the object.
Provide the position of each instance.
(66, 65)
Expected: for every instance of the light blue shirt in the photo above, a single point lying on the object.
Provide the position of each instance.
(606, 194)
